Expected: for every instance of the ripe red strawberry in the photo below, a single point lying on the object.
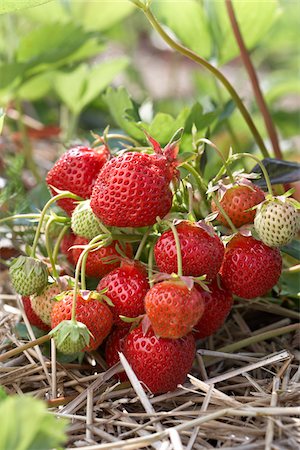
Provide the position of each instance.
(96, 266)
(90, 311)
(66, 243)
(114, 345)
(217, 305)
(76, 171)
(31, 315)
(133, 189)
(160, 364)
(173, 309)
(127, 287)
(236, 200)
(250, 268)
(201, 249)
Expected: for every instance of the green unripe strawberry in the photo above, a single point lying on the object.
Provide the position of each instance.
(28, 275)
(70, 336)
(84, 222)
(277, 221)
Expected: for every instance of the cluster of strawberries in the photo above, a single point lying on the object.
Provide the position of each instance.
(151, 313)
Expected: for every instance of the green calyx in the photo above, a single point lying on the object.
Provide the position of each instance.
(28, 275)
(70, 336)
(84, 222)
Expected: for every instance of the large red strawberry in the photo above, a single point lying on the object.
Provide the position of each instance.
(32, 316)
(201, 250)
(76, 171)
(66, 244)
(217, 305)
(237, 201)
(97, 264)
(90, 311)
(173, 308)
(160, 364)
(133, 189)
(127, 287)
(250, 268)
(114, 345)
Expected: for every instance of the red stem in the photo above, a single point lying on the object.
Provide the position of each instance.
(254, 80)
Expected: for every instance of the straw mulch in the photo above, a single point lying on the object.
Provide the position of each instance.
(243, 392)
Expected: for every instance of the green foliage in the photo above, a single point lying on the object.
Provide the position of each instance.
(27, 425)
(14, 5)
(13, 195)
(82, 85)
(201, 26)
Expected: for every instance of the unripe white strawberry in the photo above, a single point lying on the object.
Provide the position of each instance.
(277, 221)
(84, 223)
(42, 304)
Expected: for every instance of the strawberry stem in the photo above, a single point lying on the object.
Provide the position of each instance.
(150, 265)
(20, 216)
(65, 194)
(58, 242)
(93, 244)
(199, 60)
(142, 244)
(178, 249)
(223, 212)
(258, 161)
(48, 246)
(225, 163)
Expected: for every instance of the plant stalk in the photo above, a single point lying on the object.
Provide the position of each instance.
(254, 80)
(199, 60)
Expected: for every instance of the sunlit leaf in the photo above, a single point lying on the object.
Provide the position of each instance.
(27, 425)
(15, 5)
(82, 85)
(119, 103)
(187, 20)
(2, 116)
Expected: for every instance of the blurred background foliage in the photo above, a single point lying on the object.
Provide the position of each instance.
(67, 67)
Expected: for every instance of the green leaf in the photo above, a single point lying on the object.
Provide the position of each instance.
(51, 43)
(101, 14)
(164, 125)
(187, 20)
(279, 172)
(292, 249)
(119, 103)
(255, 18)
(14, 5)
(82, 85)
(36, 87)
(26, 425)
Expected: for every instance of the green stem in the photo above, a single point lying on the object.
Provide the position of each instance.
(92, 244)
(258, 161)
(123, 137)
(20, 216)
(178, 249)
(228, 170)
(223, 212)
(203, 185)
(199, 60)
(58, 242)
(142, 244)
(52, 200)
(48, 246)
(150, 265)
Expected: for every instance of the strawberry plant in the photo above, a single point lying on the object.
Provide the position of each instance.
(151, 243)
